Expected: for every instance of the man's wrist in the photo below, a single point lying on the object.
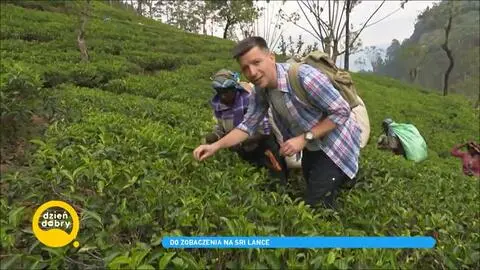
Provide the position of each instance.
(303, 138)
(216, 145)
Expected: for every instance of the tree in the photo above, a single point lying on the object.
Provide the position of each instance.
(83, 9)
(310, 48)
(140, 7)
(362, 62)
(283, 46)
(160, 10)
(269, 24)
(374, 57)
(347, 35)
(421, 58)
(452, 10)
(186, 15)
(348, 8)
(291, 46)
(349, 5)
(150, 7)
(329, 31)
(414, 56)
(448, 51)
(231, 13)
(392, 50)
(299, 45)
(393, 65)
(444, 15)
(205, 12)
(295, 48)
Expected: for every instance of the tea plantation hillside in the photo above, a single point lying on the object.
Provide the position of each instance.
(118, 148)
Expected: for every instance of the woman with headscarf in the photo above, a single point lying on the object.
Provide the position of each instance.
(470, 159)
(230, 105)
(389, 140)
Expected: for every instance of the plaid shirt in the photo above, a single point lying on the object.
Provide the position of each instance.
(234, 114)
(342, 144)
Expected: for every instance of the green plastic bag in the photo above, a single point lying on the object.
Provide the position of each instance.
(413, 143)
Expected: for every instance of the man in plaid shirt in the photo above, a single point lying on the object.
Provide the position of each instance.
(326, 133)
(230, 104)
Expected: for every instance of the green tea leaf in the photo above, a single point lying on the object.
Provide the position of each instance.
(90, 214)
(6, 264)
(119, 261)
(146, 267)
(165, 260)
(330, 257)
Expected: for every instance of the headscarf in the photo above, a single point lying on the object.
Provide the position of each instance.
(226, 79)
(475, 146)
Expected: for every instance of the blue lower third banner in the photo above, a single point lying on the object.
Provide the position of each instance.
(299, 242)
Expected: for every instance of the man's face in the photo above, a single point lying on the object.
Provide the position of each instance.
(259, 67)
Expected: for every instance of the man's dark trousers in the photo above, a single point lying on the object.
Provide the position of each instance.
(323, 178)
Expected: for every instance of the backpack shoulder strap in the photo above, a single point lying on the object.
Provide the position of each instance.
(300, 92)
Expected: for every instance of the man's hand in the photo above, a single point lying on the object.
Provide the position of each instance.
(205, 151)
(234, 137)
(293, 146)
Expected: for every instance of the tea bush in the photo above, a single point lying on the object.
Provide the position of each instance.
(20, 89)
(120, 152)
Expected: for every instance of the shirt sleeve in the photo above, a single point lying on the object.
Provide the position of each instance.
(324, 95)
(257, 110)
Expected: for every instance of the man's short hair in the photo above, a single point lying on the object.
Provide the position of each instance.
(247, 44)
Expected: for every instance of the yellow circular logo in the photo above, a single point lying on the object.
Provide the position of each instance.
(56, 224)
